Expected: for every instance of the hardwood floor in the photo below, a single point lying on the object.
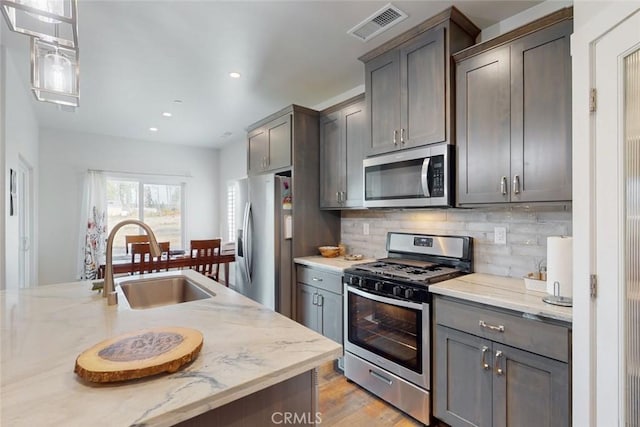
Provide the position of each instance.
(346, 404)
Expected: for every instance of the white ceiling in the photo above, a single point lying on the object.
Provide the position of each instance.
(137, 57)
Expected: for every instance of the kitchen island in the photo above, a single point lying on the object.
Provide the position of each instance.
(248, 349)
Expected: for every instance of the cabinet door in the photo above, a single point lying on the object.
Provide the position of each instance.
(462, 378)
(256, 154)
(530, 391)
(355, 125)
(332, 160)
(307, 310)
(422, 67)
(330, 311)
(541, 115)
(382, 87)
(279, 131)
(483, 128)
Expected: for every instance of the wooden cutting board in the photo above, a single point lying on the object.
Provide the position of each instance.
(139, 354)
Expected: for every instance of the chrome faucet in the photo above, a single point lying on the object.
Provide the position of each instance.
(108, 289)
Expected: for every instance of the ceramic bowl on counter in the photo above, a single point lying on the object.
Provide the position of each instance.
(329, 251)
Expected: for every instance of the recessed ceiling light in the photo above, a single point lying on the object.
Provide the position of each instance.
(153, 129)
(167, 114)
(177, 101)
(234, 75)
(226, 134)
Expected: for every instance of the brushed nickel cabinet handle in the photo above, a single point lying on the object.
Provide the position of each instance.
(484, 363)
(402, 141)
(344, 196)
(516, 184)
(395, 137)
(314, 301)
(497, 367)
(316, 279)
(503, 185)
(499, 328)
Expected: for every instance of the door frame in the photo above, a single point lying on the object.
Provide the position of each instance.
(584, 407)
(26, 264)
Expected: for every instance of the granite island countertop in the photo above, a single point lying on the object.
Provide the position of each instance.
(247, 348)
(335, 265)
(504, 292)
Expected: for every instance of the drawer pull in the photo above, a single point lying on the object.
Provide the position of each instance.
(499, 328)
(498, 369)
(485, 365)
(316, 279)
(382, 378)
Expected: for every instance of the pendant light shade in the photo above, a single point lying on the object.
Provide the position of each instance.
(54, 73)
(51, 20)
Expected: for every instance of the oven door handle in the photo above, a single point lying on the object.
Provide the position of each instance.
(385, 300)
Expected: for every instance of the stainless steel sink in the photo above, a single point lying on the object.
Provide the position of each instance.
(159, 291)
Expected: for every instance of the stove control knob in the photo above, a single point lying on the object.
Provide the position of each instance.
(353, 280)
(378, 286)
(408, 293)
(397, 291)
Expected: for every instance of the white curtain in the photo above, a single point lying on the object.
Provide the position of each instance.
(93, 226)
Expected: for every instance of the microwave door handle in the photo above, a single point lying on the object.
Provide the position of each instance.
(425, 176)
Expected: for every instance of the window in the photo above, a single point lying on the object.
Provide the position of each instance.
(231, 211)
(160, 205)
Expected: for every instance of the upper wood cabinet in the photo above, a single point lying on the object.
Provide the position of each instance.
(270, 146)
(514, 115)
(342, 139)
(408, 84)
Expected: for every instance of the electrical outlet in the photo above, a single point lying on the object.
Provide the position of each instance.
(365, 228)
(500, 235)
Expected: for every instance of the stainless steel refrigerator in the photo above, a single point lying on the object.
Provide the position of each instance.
(263, 241)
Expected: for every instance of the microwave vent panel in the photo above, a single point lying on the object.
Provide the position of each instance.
(377, 23)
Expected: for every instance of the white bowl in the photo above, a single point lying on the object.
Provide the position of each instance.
(533, 284)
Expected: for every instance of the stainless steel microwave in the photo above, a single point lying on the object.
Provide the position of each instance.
(421, 177)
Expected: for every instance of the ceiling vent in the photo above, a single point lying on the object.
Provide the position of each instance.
(380, 21)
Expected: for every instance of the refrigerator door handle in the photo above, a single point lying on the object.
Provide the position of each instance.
(248, 242)
(246, 249)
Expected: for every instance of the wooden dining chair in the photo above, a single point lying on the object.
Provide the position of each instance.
(130, 239)
(143, 262)
(205, 257)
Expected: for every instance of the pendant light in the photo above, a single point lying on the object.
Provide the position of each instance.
(51, 20)
(54, 73)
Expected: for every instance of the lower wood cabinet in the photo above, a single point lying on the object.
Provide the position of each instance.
(319, 301)
(480, 380)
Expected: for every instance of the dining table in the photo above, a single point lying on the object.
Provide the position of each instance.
(178, 260)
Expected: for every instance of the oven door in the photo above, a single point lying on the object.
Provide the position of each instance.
(412, 178)
(389, 333)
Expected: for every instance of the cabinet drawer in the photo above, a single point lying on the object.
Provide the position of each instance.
(320, 279)
(537, 337)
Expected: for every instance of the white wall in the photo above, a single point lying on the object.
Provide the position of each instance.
(524, 17)
(232, 165)
(3, 63)
(21, 140)
(66, 156)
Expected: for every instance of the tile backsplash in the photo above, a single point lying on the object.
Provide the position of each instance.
(527, 231)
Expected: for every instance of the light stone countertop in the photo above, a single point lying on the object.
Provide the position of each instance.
(335, 265)
(498, 291)
(247, 348)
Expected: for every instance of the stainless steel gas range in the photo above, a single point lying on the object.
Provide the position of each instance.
(388, 317)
